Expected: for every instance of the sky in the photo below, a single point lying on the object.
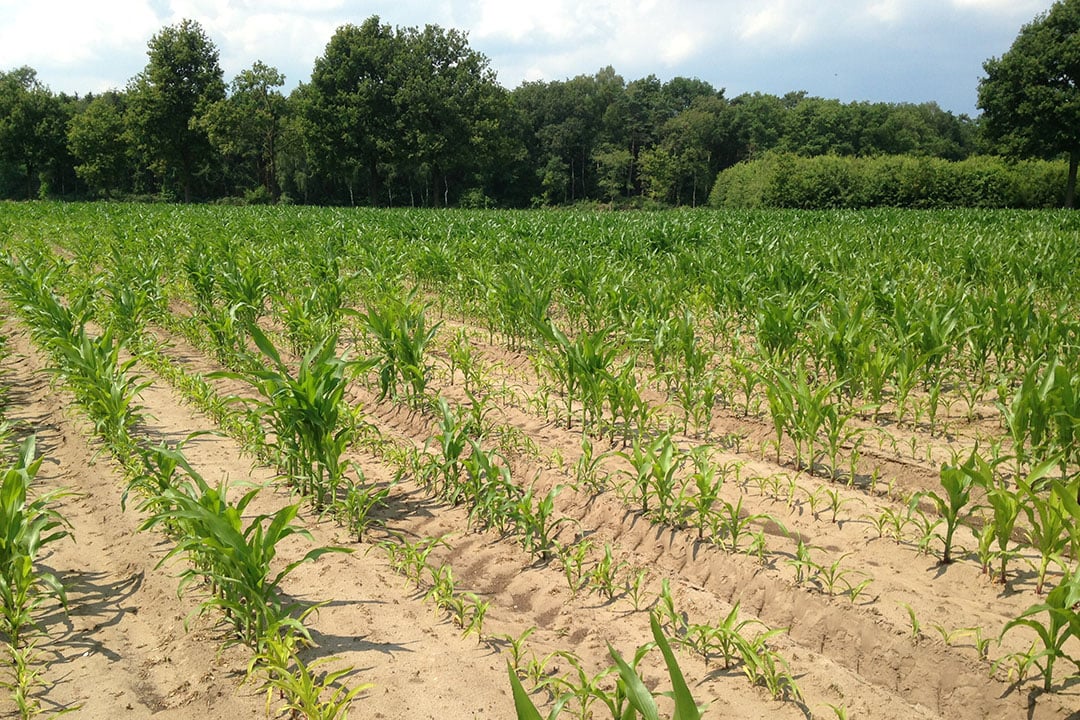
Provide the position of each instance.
(871, 50)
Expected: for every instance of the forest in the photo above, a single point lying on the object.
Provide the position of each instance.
(415, 117)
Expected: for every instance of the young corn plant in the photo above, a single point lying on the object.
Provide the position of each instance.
(629, 411)
(802, 409)
(708, 483)
(400, 330)
(496, 502)
(832, 574)
(452, 440)
(236, 561)
(668, 489)
(665, 610)
(805, 567)
(726, 638)
(1068, 495)
(537, 522)
(583, 691)
(1042, 414)
(572, 558)
(354, 508)
(1005, 505)
(634, 587)
(410, 559)
(730, 526)
(632, 698)
(655, 464)
(460, 358)
(516, 645)
(579, 367)
(26, 528)
(164, 466)
(913, 619)
(957, 482)
(1061, 624)
(588, 466)
(641, 458)
(306, 414)
(603, 577)
(766, 667)
(103, 384)
(30, 291)
(472, 617)
(305, 690)
(836, 502)
(133, 290)
(1049, 521)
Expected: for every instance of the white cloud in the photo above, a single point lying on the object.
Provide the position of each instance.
(751, 44)
(885, 11)
(556, 20)
(69, 34)
(1003, 7)
(679, 46)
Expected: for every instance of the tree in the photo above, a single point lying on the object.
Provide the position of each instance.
(659, 173)
(97, 139)
(752, 125)
(1030, 96)
(692, 137)
(612, 170)
(447, 106)
(637, 115)
(180, 81)
(248, 125)
(566, 123)
(348, 110)
(32, 123)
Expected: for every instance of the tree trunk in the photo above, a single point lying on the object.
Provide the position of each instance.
(1070, 187)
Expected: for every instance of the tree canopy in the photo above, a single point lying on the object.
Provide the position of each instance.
(181, 80)
(1030, 96)
(32, 127)
(415, 116)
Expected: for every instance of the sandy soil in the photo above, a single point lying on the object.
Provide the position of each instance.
(122, 648)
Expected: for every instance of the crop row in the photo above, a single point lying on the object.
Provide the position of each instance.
(607, 373)
(227, 553)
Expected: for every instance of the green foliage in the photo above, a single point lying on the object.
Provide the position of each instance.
(180, 79)
(306, 413)
(829, 181)
(235, 559)
(96, 139)
(1061, 624)
(1029, 95)
(32, 134)
(399, 327)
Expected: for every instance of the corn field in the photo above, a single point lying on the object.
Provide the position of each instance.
(588, 465)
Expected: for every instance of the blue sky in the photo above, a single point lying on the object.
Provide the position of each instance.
(877, 50)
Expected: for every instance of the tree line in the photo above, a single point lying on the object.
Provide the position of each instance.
(415, 117)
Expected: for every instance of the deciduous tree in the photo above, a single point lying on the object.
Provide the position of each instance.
(97, 139)
(32, 123)
(348, 108)
(248, 125)
(180, 81)
(1030, 96)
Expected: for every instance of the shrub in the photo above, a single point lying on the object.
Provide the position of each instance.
(783, 180)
